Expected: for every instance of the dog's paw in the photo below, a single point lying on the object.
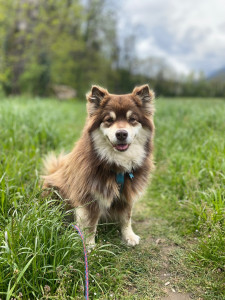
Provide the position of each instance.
(132, 239)
(90, 246)
(90, 243)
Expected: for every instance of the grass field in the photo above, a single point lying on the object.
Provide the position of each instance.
(180, 219)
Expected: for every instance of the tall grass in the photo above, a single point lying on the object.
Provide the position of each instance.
(190, 173)
(41, 255)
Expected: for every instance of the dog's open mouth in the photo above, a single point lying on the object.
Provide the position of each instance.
(121, 147)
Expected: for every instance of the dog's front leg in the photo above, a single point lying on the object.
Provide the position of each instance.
(126, 229)
(88, 223)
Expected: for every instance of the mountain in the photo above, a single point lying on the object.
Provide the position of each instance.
(217, 75)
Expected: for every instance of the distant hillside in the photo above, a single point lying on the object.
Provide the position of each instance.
(218, 75)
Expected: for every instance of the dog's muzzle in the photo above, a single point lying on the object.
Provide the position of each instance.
(121, 136)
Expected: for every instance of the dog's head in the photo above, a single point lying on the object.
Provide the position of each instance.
(121, 125)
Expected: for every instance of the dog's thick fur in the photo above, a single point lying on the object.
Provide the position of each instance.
(117, 138)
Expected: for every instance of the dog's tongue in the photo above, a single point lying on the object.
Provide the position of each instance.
(121, 147)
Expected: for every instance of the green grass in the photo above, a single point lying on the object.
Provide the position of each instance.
(190, 163)
(181, 218)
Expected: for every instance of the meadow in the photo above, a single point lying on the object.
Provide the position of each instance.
(181, 218)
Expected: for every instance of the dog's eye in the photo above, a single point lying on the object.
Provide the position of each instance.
(132, 120)
(109, 120)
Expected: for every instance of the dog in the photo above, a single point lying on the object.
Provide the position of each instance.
(109, 167)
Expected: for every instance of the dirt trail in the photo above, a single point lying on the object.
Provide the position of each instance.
(145, 227)
(175, 296)
(167, 278)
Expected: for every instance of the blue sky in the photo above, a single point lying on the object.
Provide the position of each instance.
(189, 35)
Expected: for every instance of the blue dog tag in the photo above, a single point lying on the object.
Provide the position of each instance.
(131, 175)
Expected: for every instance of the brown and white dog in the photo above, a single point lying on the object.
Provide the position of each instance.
(109, 166)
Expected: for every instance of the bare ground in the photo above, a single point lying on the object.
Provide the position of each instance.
(154, 234)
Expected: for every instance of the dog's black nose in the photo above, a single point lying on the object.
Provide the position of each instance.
(121, 135)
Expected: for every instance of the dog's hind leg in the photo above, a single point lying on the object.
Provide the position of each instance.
(88, 223)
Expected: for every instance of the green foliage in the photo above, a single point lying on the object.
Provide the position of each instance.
(52, 42)
(45, 43)
(35, 78)
(189, 179)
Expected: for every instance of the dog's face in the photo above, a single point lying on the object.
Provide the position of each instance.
(121, 126)
(122, 129)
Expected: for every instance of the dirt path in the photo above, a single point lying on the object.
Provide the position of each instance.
(168, 278)
(154, 233)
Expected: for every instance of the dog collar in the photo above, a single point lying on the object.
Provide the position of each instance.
(120, 179)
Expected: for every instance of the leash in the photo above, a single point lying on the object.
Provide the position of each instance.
(86, 262)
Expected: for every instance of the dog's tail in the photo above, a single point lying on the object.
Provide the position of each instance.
(52, 163)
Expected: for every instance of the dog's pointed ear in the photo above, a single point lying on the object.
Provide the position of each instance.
(96, 94)
(95, 97)
(146, 95)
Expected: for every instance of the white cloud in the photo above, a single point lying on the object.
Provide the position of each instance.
(190, 34)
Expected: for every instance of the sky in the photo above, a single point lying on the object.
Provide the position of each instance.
(189, 35)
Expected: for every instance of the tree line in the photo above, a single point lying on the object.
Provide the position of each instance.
(75, 43)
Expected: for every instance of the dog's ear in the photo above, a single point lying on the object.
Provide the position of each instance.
(95, 97)
(96, 94)
(146, 95)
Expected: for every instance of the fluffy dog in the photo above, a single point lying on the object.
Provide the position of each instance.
(109, 166)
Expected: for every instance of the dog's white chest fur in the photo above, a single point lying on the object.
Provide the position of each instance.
(104, 203)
